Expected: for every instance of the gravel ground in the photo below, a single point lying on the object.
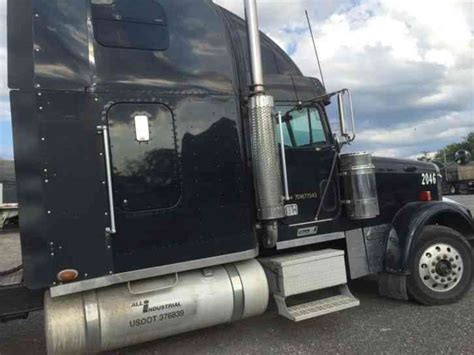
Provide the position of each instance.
(379, 325)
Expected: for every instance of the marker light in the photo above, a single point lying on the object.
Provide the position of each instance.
(68, 275)
(425, 196)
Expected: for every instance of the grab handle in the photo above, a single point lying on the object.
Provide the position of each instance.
(283, 158)
(108, 172)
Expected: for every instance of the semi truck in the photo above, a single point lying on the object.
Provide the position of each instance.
(459, 179)
(176, 170)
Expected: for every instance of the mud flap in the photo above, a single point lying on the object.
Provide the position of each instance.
(393, 286)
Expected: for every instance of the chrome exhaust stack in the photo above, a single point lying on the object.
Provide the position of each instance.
(265, 157)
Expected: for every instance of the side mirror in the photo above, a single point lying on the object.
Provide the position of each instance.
(345, 134)
(462, 157)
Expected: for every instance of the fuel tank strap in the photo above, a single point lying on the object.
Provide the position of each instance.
(238, 292)
(92, 317)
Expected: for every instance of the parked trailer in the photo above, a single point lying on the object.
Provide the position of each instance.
(175, 169)
(8, 211)
(459, 179)
(8, 214)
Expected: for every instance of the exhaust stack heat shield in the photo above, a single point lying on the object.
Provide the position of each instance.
(266, 161)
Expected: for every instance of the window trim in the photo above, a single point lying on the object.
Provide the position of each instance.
(324, 122)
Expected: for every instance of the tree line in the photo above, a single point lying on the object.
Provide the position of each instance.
(450, 150)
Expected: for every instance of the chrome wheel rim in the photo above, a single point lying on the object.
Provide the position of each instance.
(441, 267)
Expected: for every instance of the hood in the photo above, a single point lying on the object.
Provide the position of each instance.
(395, 165)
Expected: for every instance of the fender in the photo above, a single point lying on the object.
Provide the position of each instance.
(410, 220)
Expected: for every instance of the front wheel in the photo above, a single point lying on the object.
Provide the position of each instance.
(441, 267)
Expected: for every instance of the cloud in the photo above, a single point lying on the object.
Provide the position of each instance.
(409, 64)
(4, 108)
(6, 145)
(405, 140)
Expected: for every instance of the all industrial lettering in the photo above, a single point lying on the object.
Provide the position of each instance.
(147, 308)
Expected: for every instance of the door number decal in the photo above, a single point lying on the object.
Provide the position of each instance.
(428, 179)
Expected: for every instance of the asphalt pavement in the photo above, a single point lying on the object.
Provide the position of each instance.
(377, 326)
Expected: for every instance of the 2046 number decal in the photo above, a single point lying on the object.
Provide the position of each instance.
(428, 179)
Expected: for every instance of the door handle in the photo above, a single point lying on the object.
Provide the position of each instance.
(108, 172)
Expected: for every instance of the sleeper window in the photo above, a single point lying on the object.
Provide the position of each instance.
(130, 24)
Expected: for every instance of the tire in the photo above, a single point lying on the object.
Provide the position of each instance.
(452, 190)
(448, 273)
(463, 189)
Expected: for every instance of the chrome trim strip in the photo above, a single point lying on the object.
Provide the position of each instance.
(309, 240)
(109, 280)
(313, 222)
(238, 289)
(108, 170)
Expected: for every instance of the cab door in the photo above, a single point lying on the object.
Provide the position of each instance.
(311, 168)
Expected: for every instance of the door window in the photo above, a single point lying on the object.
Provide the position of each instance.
(145, 158)
(302, 128)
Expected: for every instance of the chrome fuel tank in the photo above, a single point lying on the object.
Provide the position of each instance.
(141, 311)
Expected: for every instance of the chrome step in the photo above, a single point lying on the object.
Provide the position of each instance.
(317, 308)
(299, 273)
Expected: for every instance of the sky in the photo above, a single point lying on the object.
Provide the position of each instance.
(409, 65)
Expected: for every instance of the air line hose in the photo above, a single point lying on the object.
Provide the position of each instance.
(11, 271)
